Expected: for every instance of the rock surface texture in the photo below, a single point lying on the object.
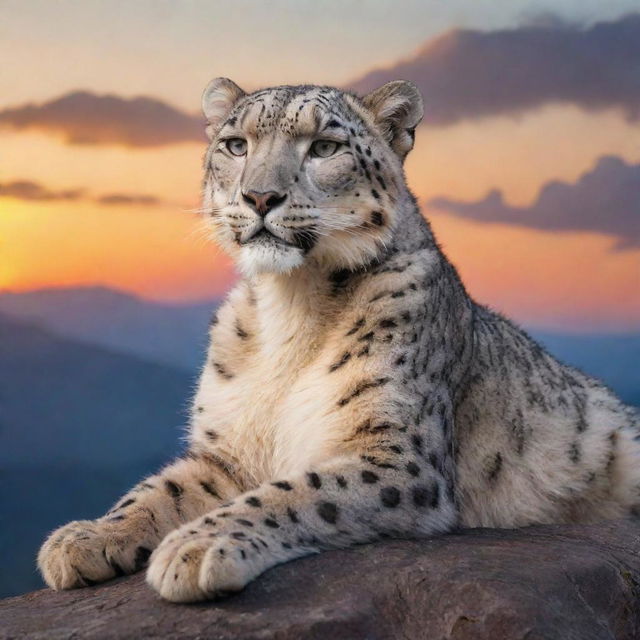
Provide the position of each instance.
(564, 582)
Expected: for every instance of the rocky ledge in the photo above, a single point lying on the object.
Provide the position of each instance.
(564, 582)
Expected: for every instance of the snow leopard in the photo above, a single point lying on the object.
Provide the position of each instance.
(353, 391)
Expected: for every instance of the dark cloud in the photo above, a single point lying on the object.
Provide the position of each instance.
(27, 190)
(605, 199)
(469, 74)
(85, 118)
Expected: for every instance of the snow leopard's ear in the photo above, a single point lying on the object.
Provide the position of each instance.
(218, 99)
(397, 109)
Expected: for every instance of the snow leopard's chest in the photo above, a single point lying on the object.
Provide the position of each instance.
(276, 417)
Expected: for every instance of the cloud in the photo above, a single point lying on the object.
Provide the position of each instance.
(127, 198)
(28, 190)
(86, 118)
(467, 74)
(605, 199)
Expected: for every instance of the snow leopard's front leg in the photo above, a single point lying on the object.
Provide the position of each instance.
(399, 489)
(84, 552)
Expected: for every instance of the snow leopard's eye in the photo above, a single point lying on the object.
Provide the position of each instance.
(236, 146)
(324, 148)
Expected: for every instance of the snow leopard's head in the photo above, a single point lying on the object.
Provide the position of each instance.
(306, 173)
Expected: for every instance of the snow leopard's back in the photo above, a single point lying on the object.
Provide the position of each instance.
(537, 440)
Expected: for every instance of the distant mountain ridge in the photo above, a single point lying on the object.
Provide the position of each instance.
(62, 401)
(613, 358)
(79, 424)
(177, 334)
(169, 334)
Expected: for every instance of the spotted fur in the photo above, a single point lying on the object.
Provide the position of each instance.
(352, 389)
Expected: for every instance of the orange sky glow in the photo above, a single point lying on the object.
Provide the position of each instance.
(569, 281)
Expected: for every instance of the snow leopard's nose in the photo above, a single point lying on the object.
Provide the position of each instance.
(263, 201)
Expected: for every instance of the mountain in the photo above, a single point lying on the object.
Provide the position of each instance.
(613, 358)
(176, 334)
(78, 425)
(66, 401)
(170, 334)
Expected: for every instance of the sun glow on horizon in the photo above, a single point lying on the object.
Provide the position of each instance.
(571, 281)
(159, 254)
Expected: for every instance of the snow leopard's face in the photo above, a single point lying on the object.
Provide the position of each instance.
(295, 174)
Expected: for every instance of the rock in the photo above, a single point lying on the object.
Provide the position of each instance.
(564, 582)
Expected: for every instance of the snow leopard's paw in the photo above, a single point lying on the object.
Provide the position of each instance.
(85, 552)
(194, 563)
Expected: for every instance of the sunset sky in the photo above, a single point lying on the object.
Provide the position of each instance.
(527, 164)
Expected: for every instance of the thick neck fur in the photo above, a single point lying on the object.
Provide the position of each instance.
(292, 311)
(297, 307)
